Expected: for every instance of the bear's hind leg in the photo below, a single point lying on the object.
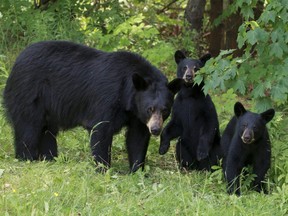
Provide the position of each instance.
(48, 144)
(184, 156)
(100, 142)
(27, 137)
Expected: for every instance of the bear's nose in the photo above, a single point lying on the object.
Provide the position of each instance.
(247, 136)
(155, 131)
(189, 77)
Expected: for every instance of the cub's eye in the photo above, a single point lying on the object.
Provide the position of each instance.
(245, 125)
(165, 112)
(150, 110)
(196, 68)
(185, 68)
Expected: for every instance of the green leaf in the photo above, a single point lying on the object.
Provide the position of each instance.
(259, 91)
(253, 24)
(226, 52)
(276, 50)
(240, 86)
(262, 35)
(247, 12)
(263, 104)
(279, 92)
(267, 16)
(240, 41)
(252, 37)
(274, 36)
(199, 78)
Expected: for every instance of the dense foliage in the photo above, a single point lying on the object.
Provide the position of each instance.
(261, 73)
(107, 25)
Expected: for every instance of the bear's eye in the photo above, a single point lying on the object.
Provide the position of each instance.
(185, 68)
(165, 112)
(245, 125)
(150, 110)
(196, 68)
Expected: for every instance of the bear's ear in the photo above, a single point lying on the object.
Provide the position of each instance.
(268, 115)
(179, 56)
(205, 58)
(139, 83)
(239, 109)
(175, 85)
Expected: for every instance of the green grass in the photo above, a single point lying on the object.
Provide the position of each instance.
(70, 186)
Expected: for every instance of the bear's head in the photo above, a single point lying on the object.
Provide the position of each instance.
(154, 101)
(251, 126)
(187, 67)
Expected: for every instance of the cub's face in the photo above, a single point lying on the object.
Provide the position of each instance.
(251, 126)
(154, 101)
(188, 67)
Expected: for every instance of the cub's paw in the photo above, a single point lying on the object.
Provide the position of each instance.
(202, 154)
(163, 149)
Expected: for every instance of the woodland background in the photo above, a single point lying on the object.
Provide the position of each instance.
(248, 40)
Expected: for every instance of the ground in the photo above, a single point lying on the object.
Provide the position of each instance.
(70, 186)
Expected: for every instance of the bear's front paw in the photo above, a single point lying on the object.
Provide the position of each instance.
(201, 154)
(163, 149)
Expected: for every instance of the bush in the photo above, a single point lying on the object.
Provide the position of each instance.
(261, 73)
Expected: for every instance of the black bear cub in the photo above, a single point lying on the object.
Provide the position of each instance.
(58, 85)
(194, 120)
(245, 141)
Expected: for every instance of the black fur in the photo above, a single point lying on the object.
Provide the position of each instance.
(58, 85)
(194, 120)
(245, 141)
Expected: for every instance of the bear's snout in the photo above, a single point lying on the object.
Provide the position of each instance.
(155, 131)
(155, 124)
(189, 75)
(248, 136)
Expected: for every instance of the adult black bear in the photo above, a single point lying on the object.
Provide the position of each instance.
(194, 120)
(245, 141)
(60, 85)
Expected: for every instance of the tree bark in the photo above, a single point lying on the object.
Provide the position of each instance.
(232, 25)
(194, 13)
(215, 39)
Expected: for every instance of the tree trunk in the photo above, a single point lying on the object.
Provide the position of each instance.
(259, 9)
(194, 13)
(215, 39)
(232, 25)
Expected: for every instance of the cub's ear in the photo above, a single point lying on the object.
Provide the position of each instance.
(139, 83)
(175, 85)
(239, 109)
(205, 58)
(179, 56)
(268, 115)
